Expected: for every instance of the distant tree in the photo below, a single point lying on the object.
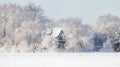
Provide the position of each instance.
(108, 24)
(99, 39)
(19, 23)
(116, 42)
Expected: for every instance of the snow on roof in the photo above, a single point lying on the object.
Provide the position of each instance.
(56, 31)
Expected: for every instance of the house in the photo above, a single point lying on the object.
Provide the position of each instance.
(58, 33)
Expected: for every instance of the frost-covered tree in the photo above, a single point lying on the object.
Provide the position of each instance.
(108, 24)
(24, 28)
(76, 33)
(98, 41)
(20, 23)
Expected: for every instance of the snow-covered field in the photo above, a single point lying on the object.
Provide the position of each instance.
(60, 60)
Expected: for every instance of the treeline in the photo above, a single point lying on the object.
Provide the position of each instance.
(27, 29)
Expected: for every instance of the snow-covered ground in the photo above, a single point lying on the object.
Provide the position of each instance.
(60, 60)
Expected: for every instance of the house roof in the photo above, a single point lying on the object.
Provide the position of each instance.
(56, 31)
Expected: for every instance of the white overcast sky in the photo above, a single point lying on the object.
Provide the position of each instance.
(88, 10)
